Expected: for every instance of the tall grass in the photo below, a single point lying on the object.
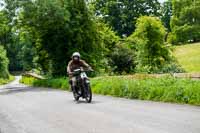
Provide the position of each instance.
(166, 89)
(5, 81)
(57, 83)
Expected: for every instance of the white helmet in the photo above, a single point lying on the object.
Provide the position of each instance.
(77, 54)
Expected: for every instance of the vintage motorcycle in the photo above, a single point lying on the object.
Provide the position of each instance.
(82, 87)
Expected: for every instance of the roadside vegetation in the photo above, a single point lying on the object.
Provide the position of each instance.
(5, 81)
(5, 77)
(3, 64)
(165, 89)
(114, 37)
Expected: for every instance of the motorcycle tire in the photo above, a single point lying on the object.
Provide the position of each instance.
(88, 93)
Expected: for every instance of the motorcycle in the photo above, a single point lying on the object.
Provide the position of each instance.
(82, 85)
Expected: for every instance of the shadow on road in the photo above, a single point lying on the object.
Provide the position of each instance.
(82, 101)
(13, 90)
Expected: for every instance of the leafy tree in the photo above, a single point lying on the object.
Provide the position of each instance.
(4, 29)
(122, 14)
(4, 41)
(13, 48)
(108, 37)
(167, 14)
(27, 53)
(185, 22)
(3, 63)
(152, 53)
(60, 28)
(10, 39)
(108, 40)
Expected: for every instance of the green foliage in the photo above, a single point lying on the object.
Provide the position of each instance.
(5, 81)
(167, 14)
(122, 14)
(163, 89)
(12, 40)
(3, 27)
(43, 34)
(122, 59)
(3, 64)
(3, 57)
(185, 22)
(152, 52)
(166, 89)
(27, 54)
(60, 83)
(108, 37)
(59, 28)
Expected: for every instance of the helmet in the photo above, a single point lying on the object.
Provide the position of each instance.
(76, 54)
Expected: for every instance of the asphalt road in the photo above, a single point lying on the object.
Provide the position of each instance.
(36, 110)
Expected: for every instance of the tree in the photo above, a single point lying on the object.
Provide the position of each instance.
(4, 29)
(122, 14)
(185, 22)
(27, 53)
(152, 53)
(167, 14)
(60, 27)
(10, 37)
(108, 37)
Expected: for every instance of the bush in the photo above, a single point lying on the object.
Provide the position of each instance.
(122, 59)
(3, 64)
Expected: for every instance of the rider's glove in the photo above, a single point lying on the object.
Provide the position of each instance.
(70, 73)
(90, 68)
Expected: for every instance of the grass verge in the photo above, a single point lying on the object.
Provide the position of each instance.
(5, 81)
(165, 89)
(57, 83)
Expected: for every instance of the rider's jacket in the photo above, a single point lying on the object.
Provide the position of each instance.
(72, 65)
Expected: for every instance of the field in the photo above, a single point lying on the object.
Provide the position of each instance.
(189, 57)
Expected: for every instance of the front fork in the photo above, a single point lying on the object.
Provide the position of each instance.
(83, 84)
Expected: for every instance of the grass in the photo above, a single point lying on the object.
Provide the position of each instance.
(189, 57)
(165, 89)
(60, 83)
(5, 81)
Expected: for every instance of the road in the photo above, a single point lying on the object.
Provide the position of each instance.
(37, 110)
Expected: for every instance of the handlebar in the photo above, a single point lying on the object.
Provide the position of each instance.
(80, 70)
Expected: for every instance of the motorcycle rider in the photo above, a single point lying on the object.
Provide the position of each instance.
(76, 63)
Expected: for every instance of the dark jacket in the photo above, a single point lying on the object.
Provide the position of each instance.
(76, 65)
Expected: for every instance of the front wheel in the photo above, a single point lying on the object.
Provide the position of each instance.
(88, 93)
(76, 96)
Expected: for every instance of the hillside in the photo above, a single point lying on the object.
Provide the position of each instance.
(189, 57)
